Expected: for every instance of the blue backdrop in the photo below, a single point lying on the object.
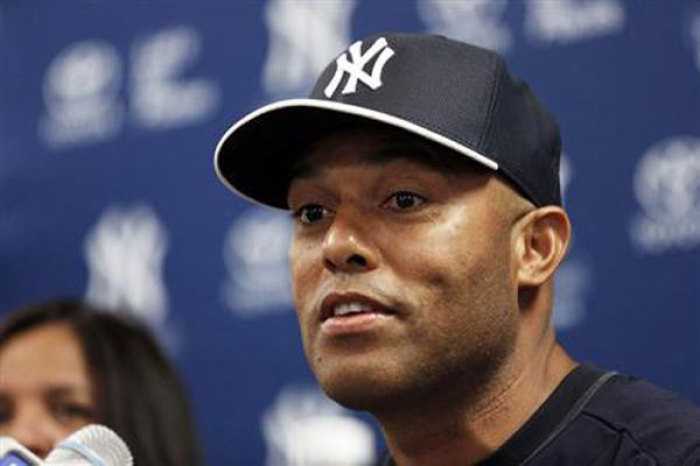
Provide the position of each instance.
(110, 113)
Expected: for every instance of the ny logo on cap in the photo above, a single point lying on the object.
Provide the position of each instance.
(355, 67)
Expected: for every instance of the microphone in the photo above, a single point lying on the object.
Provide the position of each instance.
(13, 453)
(93, 445)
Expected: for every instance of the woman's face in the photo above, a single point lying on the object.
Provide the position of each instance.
(45, 387)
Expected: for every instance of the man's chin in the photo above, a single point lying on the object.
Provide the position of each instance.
(360, 389)
(357, 396)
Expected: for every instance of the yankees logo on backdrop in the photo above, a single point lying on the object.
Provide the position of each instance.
(125, 252)
(303, 38)
(355, 67)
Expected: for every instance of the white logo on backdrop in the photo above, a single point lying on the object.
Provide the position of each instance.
(566, 172)
(304, 37)
(571, 282)
(354, 67)
(304, 428)
(255, 254)
(83, 82)
(160, 96)
(695, 37)
(80, 91)
(478, 22)
(124, 253)
(572, 20)
(667, 187)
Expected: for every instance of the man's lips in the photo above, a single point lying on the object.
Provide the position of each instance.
(350, 304)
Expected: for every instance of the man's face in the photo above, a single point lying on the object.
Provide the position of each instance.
(402, 272)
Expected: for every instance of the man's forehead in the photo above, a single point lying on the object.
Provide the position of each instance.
(378, 146)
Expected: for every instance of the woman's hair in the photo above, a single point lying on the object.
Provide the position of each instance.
(139, 394)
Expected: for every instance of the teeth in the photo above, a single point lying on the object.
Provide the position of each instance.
(349, 308)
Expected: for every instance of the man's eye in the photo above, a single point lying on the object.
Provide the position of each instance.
(310, 213)
(404, 200)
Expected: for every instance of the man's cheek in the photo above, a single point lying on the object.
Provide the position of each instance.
(300, 267)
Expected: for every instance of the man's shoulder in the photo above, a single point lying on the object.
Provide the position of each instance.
(640, 407)
(655, 420)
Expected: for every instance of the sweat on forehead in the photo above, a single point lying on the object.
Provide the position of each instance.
(380, 144)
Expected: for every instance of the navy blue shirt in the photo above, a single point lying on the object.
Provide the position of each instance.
(604, 418)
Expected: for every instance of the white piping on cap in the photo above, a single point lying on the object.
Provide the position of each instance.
(350, 110)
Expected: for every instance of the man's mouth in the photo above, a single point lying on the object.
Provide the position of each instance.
(354, 307)
(339, 306)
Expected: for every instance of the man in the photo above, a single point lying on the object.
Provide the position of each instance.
(424, 182)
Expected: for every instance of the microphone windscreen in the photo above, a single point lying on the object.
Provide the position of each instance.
(13, 453)
(93, 445)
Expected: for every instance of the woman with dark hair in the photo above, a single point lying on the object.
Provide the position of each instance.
(64, 364)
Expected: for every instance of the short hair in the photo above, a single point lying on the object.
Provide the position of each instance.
(138, 392)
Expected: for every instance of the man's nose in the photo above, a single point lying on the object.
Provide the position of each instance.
(35, 430)
(349, 245)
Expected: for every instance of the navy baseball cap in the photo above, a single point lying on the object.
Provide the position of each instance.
(452, 93)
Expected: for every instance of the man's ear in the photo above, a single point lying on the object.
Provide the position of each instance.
(542, 241)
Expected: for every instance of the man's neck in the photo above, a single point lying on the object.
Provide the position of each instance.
(450, 429)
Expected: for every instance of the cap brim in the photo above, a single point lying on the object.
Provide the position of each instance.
(255, 156)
